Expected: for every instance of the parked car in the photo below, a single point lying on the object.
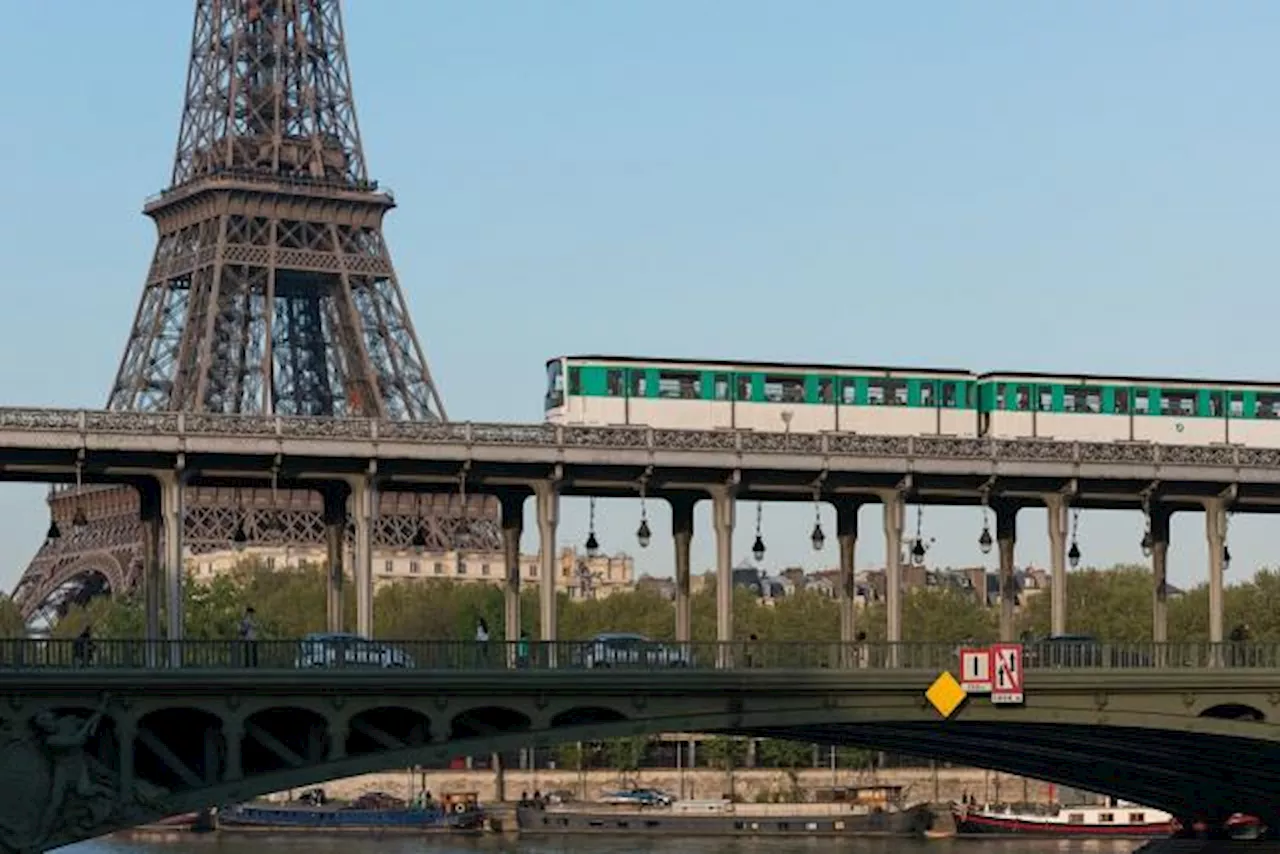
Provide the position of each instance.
(340, 649)
(619, 649)
(641, 797)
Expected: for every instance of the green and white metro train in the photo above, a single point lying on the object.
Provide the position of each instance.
(683, 394)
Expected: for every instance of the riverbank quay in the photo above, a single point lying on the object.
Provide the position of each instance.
(755, 784)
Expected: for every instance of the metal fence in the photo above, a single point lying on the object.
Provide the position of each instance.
(318, 654)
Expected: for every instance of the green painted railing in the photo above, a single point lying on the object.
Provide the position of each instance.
(316, 654)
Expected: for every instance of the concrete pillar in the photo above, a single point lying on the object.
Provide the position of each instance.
(723, 512)
(894, 509)
(682, 533)
(152, 579)
(126, 735)
(847, 594)
(512, 529)
(364, 504)
(335, 536)
(173, 513)
(233, 739)
(1160, 574)
(548, 496)
(1006, 537)
(1058, 511)
(1215, 518)
(499, 779)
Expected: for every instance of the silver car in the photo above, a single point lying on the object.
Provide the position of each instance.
(621, 649)
(340, 649)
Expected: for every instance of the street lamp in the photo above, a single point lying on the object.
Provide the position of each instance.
(757, 548)
(643, 534)
(817, 538)
(1073, 553)
(1147, 543)
(593, 545)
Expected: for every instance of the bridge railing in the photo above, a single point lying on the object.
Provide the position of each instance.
(321, 654)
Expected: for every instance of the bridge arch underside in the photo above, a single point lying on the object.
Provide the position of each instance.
(196, 752)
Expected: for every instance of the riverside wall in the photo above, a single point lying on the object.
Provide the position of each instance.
(748, 784)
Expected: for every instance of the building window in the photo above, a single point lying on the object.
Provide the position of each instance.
(414, 567)
(484, 569)
(271, 563)
(1106, 818)
(462, 567)
(389, 566)
(439, 568)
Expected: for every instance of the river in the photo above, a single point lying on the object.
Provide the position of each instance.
(596, 845)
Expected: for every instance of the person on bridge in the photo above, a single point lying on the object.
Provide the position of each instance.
(522, 650)
(249, 637)
(482, 642)
(82, 647)
(1239, 638)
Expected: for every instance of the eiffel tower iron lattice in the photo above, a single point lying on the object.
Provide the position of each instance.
(271, 290)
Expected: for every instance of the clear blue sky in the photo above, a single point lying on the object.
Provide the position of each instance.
(1069, 187)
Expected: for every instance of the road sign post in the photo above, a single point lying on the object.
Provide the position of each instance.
(975, 670)
(1006, 667)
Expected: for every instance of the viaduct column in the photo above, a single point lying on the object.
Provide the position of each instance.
(894, 508)
(1006, 535)
(512, 528)
(335, 497)
(723, 504)
(682, 533)
(1160, 573)
(1215, 518)
(1057, 508)
(847, 594)
(364, 503)
(548, 497)
(173, 512)
(152, 583)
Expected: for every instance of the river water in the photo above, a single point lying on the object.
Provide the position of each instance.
(597, 845)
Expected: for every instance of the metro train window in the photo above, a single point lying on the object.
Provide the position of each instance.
(1178, 403)
(1021, 397)
(825, 392)
(1267, 406)
(1078, 398)
(1215, 404)
(639, 384)
(892, 392)
(1235, 404)
(1122, 401)
(722, 386)
(555, 385)
(614, 384)
(575, 380)
(744, 386)
(783, 389)
(679, 385)
(1141, 401)
(848, 392)
(875, 393)
(949, 395)
(1046, 398)
(926, 393)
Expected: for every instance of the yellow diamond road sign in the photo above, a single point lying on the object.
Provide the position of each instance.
(945, 694)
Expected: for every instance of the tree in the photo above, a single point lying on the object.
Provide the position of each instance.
(1112, 605)
(727, 753)
(788, 755)
(624, 755)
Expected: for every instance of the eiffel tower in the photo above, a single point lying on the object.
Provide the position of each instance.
(271, 291)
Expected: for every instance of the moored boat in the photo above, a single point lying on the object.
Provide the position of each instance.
(872, 811)
(1116, 820)
(371, 813)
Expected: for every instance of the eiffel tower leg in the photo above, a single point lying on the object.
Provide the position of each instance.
(335, 531)
(172, 489)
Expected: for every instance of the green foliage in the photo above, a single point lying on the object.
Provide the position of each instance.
(624, 755)
(784, 753)
(1113, 605)
(723, 752)
(11, 622)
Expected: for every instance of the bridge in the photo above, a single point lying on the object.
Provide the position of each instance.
(115, 743)
(349, 461)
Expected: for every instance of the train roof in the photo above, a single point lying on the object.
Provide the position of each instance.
(1085, 379)
(745, 363)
